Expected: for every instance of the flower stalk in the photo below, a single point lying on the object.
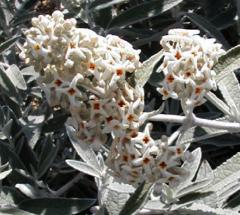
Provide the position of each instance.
(196, 121)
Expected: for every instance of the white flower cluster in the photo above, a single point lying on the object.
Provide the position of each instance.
(91, 76)
(187, 65)
(136, 157)
(85, 73)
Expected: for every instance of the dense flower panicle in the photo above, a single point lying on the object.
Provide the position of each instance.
(90, 76)
(84, 72)
(136, 157)
(187, 65)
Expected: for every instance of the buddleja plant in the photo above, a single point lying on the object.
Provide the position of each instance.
(100, 81)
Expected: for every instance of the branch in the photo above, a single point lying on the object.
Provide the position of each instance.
(230, 126)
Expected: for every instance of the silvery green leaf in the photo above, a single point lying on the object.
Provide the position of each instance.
(8, 43)
(167, 194)
(4, 166)
(227, 169)
(144, 73)
(205, 171)
(137, 199)
(227, 63)
(218, 103)
(56, 206)
(156, 205)
(15, 75)
(193, 187)
(115, 201)
(205, 25)
(84, 167)
(7, 153)
(201, 209)
(121, 187)
(142, 12)
(193, 164)
(48, 159)
(226, 176)
(230, 90)
(101, 4)
(233, 202)
(5, 174)
(7, 128)
(83, 150)
(27, 190)
(188, 136)
(8, 87)
(14, 211)
(229, 191)
(101, 161)
(196, 134)
(30, 71)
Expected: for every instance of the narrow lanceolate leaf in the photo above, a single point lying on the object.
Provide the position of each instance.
(4, 166)
(193, 187)
(115, 201)
(230, 90)
(226, 176)
(84, 167)
(137, 199)
(48, 160)
(142, 12)
(201, 209)
(196, 134)
(193, 164)
(233, 202)
(7, 87)
(15, 75)
(56, 206)
(227, 63)
(13, 211)
(101, 4)
(208, 27)
(205, 171)
(144, 73)
(5, 174)
(8, 43)
(221, 105)
(83, 150)
(228, 168)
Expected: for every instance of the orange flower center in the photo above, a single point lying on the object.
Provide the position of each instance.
(198, 90)
(178, 55)
(109, 119)
(121, 103)
(119, 72)
(130, 118)
(178, 151)
(146, 139)
(96, 106)
(125, 158)
(58, 82)
(146, 160)
(170, 78)
(71, 91)
(162, 165)
(37, 47)
(92, 66)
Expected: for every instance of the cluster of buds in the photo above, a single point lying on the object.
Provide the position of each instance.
(93, 77)
(187, 65)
